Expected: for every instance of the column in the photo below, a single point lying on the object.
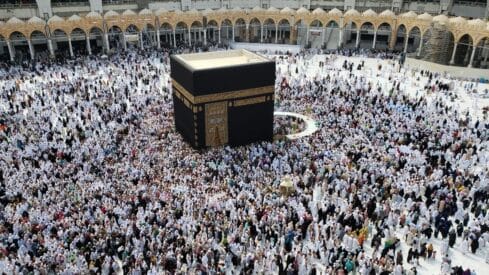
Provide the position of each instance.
(420, 48)
(247, 35)
(158, 42)
(44, 6)
(219, 35)
(486, 54)
(233, 33)
(124, 42)
(452, 61)
(107, 44)
(323, 36)
(261, 33)
(141, 45)
(189, 37)
(293, 35)
(11, 50)
(174, 39)
(50, 47)
(89, 47)
(472, 56)
(205, 37)
(31, 48)
(392, 39)
(307, 35)
(70, 46)
(340, 42)
(406, 43)
(375, 39)
(357, 43)
(276, 34)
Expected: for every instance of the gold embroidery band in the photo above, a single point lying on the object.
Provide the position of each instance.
(216, 124)
(250, 101)
(222, 96)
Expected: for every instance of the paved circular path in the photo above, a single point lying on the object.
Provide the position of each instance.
(311, 126)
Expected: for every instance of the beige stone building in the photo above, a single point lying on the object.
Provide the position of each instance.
(460, 41)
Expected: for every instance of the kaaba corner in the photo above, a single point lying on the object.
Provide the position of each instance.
(224, 97)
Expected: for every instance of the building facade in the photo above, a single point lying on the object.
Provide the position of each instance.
(462, 41)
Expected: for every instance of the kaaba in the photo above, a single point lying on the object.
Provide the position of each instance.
(224, 97)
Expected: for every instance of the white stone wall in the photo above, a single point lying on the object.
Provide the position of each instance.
(468, 11)
(71, 9)
(249, 4)
(170, 5)
(44, 6)
(293, 4)
(203, 4)
(120, 8)
(23, 13)
(96, 5)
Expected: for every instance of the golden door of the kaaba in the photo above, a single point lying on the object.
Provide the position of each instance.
(216, 123)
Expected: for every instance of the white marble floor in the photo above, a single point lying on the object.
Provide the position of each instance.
(412, 86)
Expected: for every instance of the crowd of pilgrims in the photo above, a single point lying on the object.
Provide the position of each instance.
(285, 125)
(94, 178)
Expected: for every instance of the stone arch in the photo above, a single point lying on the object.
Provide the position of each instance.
(148, 33)
(39, 43)
(367, 30)
(414, 39)
(132, 35)
(96, 38)
(350, 34)
(181, 33)
(254, 30)
(482, 53)
(59, 39)
(196, 32)
(19, 45)
(226, 30)
(79, 40)
(269, 31)
(284, 31)
(166, 25)
(316, 23)
(463, 51)
(132, 29)
(332, 24)
(459, 36)
(300, 32)
(240, 30)
(401, 37)
(240, 21)
(212, 30)
(315, 34)
(116, 37)
(332, 37)
(383, 23)
(384, 33)
(166, 35)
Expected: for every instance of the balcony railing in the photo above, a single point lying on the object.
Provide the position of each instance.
(470, 3)
(67, 3)
(118, 2)
(20, 5)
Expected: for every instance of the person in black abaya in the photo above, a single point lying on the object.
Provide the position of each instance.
(452, 236)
